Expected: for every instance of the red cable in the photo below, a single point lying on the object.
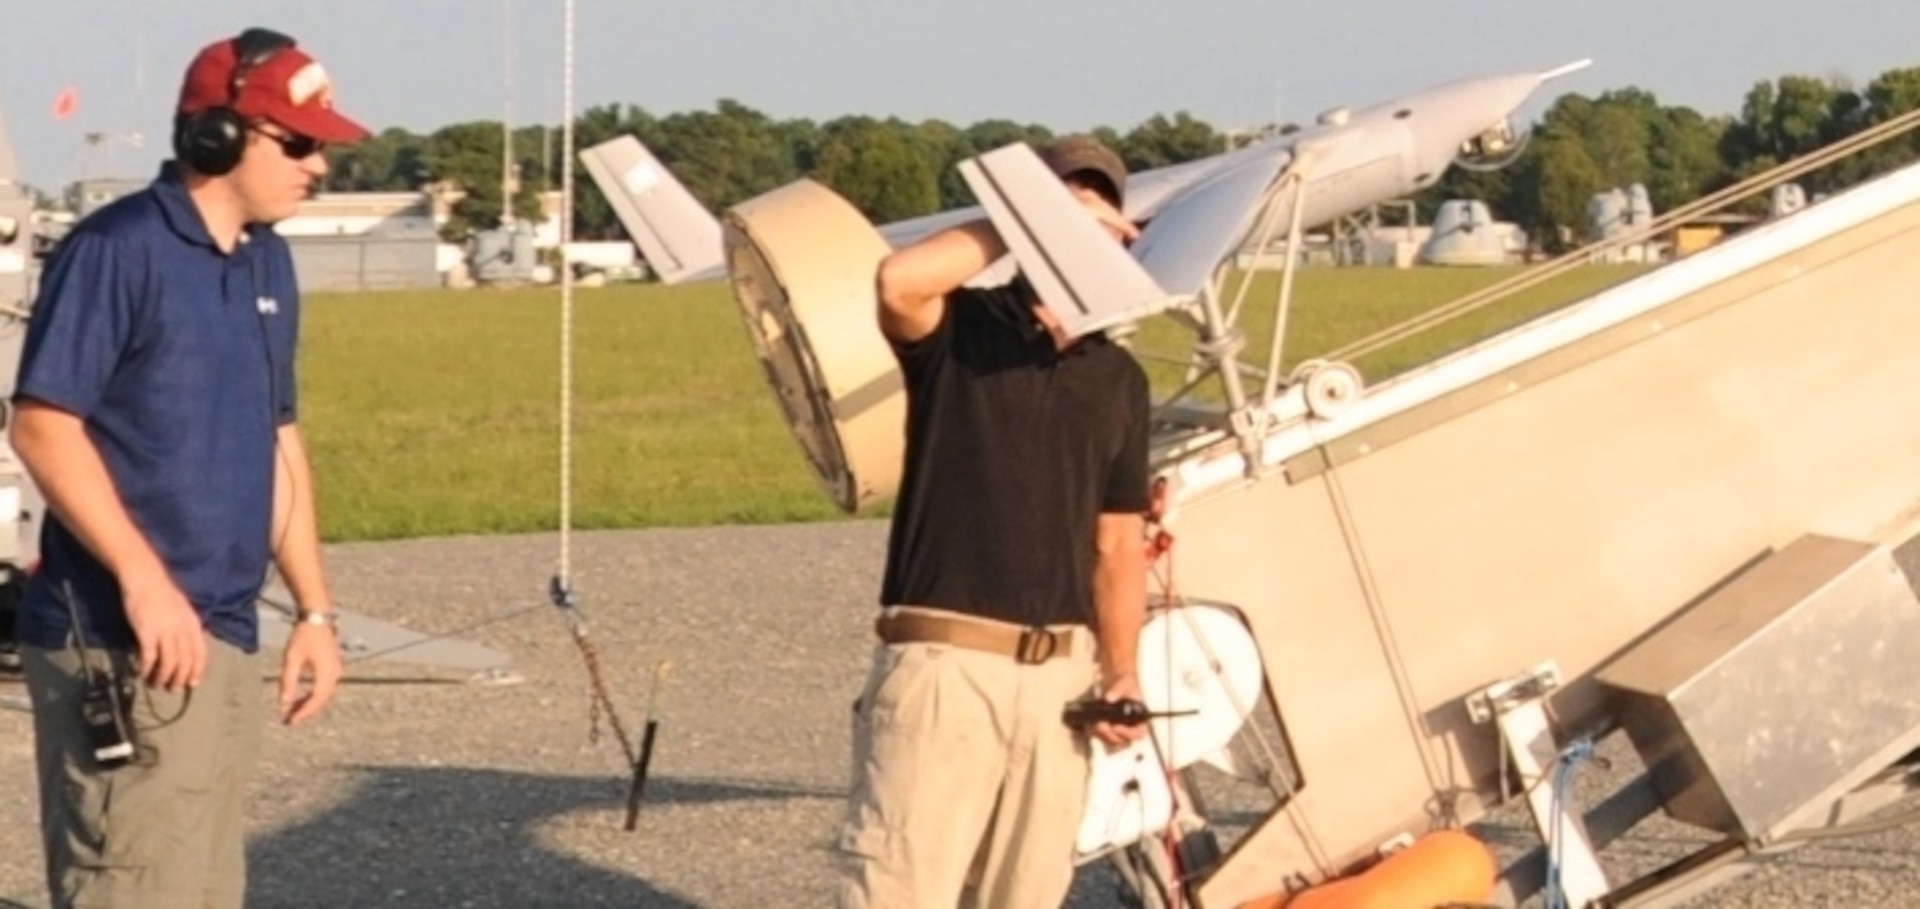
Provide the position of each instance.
(1159, 546)
(1161, 549)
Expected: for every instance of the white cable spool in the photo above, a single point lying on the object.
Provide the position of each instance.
(1200, 658)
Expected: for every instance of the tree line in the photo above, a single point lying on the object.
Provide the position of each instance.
(892, 169)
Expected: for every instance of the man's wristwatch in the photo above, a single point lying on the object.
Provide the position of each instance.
(325, 619)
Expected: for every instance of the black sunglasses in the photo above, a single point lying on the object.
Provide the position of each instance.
(293, 145)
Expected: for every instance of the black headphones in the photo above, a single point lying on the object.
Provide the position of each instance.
(210, 141)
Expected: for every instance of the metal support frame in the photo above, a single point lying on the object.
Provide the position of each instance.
(1722, 862)
(1517, 707)
(1220, 343)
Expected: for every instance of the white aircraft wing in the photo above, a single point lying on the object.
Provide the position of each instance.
(1196, 217)
(363, 637)
(1146, 191)
(681, 239)
(1205, 216)
(902, 233)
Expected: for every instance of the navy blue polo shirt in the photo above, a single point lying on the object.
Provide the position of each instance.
(180, 361)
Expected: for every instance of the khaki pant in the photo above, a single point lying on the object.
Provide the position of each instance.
(164, 832)
(967, 787)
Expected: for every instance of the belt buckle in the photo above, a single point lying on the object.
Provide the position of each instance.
(1037, 645)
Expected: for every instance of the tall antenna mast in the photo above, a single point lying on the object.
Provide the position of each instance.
(560, 589)
(139, 84)
(506, 113)
(136, 139)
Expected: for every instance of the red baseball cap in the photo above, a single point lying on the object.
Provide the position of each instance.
(289, 88)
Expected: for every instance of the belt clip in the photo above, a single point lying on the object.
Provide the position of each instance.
(1037, 645)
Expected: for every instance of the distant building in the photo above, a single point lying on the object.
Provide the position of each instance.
(340, 241)
(1702, 231)
(507, 255)
(546, 233)
(364, 241)
(85, 197)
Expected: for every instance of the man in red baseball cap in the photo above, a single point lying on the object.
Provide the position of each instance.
(280, 82)
(251, 92)
(155, 409)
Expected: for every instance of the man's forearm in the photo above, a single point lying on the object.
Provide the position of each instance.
(1120, 607)
(912, 283)
(296, 544)
(935, 266)
(69, 472)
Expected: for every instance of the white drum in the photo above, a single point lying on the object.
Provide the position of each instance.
(1199, 658)
(802, 262)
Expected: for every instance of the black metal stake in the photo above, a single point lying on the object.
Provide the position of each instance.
(646, 746)
(640, 775)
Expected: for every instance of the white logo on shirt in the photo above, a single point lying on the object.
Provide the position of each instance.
(267, 306)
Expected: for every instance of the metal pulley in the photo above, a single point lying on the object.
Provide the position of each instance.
(1329, 387)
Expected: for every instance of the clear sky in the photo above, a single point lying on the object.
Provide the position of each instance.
(1068, 64)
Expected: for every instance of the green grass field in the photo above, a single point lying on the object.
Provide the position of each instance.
(437, 412)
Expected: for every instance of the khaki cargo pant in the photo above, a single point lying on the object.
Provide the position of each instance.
(967, 787)
(165, 832)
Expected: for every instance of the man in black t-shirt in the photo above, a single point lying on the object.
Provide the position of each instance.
(1015, 578)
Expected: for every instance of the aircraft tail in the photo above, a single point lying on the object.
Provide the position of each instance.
(1089, 281)
(678, 236)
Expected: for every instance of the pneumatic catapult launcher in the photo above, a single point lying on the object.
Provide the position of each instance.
(1684, 510)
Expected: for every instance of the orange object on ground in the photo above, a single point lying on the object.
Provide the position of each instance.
(1446, 866)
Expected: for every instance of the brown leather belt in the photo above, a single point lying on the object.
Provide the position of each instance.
(1024, 645)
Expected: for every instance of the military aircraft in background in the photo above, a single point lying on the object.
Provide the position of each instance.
(1685, 507)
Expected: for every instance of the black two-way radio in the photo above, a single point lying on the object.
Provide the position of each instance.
(107, 707)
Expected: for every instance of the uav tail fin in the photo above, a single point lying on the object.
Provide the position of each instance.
(1088, 280)
(678, 236)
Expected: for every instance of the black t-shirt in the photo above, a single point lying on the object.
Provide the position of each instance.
(1013, 451)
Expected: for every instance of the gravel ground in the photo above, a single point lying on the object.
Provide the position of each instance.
(420, 789)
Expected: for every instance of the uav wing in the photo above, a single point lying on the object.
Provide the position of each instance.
(366, 638)
(1197, 215)
(681, 239)
(363, 637)
(1206, 216)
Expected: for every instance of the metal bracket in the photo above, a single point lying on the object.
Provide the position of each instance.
(1518, 707)
(1223, 347)
(1394, 844)
(1501, 696)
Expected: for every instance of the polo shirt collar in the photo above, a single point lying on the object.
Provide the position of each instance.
(181, 215)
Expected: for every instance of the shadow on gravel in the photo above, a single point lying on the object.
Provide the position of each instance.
(466, 839)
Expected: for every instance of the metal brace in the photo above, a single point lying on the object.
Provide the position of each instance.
(1501, 696)
(1518, 707)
